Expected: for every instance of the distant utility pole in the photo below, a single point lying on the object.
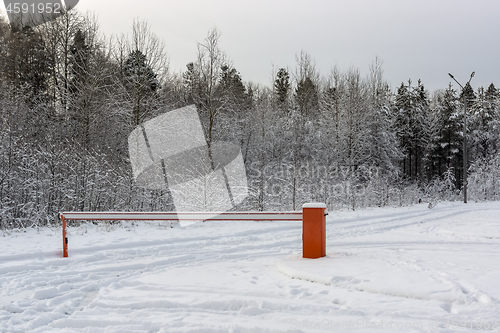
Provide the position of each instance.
(465, 133)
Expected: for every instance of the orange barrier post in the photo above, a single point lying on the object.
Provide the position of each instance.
(313, 230)
(65, 238)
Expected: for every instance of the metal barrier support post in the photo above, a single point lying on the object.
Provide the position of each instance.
(313, 230)
(65, 237)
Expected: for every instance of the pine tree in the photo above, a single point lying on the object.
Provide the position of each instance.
(236, 104)
(233, 88)
(403, 116)
(191, 84)
(306, 98)
(483, 123)
(423, 132)
(412, 108)
(26, 63)
(79, 61)
(282, 88)
(493, 111)
(449, 140)
(470, 96)
(141, 83)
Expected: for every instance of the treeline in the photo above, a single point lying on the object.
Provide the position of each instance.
(70, 97)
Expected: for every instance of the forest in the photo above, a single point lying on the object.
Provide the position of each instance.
(69, 98)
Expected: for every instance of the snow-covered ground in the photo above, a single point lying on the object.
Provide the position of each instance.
(398, 269)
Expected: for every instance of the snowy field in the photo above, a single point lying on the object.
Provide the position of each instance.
(409, 269)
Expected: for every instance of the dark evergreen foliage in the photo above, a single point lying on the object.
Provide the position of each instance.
(306, 96)
(282, 86)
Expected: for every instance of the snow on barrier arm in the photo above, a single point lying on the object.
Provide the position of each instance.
(175, 216)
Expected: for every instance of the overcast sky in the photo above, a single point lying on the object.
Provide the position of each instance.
(422, 39)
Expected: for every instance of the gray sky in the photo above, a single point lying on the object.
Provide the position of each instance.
(422, 39)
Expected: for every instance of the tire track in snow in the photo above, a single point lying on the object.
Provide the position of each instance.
(105, 281)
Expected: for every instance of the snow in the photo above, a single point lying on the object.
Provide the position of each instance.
(314, 205)
(410, 269)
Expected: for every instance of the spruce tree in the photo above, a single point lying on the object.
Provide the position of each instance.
(306, 98)
(282, 89)
(450, 141)
(141, 83)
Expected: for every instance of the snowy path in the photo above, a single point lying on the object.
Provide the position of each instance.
(399, 269)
